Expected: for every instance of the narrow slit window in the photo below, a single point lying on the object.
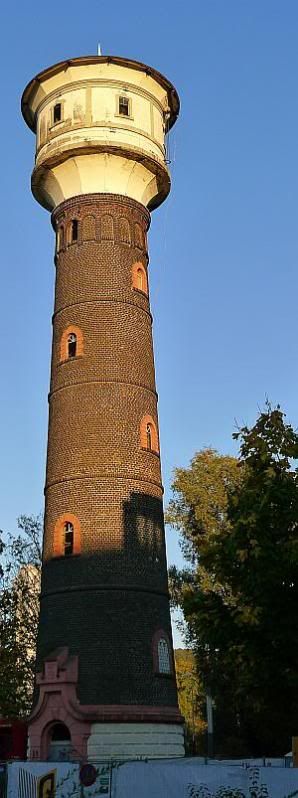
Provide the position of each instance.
(123, 106)
(68, 539)
(149, 437)
(72, 345)
(57, 113)
(74, 230)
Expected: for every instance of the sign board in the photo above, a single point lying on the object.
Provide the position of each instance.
(88, 774)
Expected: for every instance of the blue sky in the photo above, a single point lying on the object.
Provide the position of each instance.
(223, 247)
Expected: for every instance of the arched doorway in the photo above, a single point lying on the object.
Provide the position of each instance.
(59, 743)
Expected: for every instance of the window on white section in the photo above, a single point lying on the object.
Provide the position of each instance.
(164, 662)
(124, 106)
(57, 113)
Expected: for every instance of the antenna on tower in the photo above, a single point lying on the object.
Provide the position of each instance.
(98, 49)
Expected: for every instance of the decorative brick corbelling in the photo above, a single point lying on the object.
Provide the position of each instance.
(97, 200)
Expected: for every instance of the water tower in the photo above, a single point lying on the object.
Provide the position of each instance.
(105, 684)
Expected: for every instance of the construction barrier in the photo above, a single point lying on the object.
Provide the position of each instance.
(185, 778)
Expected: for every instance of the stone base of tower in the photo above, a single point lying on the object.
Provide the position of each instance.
(60, 727)
(122, 741)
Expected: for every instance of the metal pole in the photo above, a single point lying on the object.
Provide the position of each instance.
(193, 720)
(210, 738)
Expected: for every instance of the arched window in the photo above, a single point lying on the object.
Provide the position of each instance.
(60, 733)
(107, 228)
(139, 241)
(72, 345)
(148, 435)
(164, 662)
(60, 746)
(124, 230)
(74, 230)
(57, 113)
(139, 278)
(68, 538)
(89, 228)
(162, 656)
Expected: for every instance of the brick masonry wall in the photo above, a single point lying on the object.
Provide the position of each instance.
(107, 602)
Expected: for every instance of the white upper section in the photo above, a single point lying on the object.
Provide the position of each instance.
(100, 125)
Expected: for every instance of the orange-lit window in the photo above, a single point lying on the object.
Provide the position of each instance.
(67, 536)
(139, 278)
(148, 435)
(71, 344)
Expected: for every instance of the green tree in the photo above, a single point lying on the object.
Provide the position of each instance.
(239, 595)
(191, 700)
(20, 563)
